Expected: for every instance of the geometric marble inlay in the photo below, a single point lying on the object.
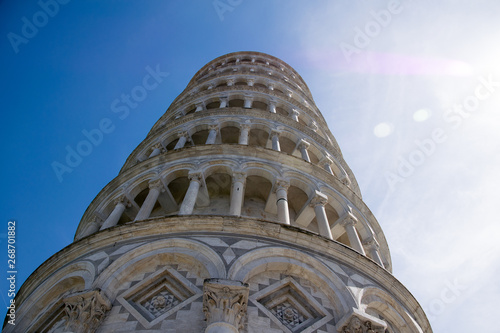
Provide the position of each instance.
(159, 296)
(291, 307)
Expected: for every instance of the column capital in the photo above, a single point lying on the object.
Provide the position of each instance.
(182, 133)
(213, 127)
(275, 132)
(281, 184)
(314, 126)
(294, 112)
(248, 96)
(304, 144)
(348, 219)
(195, 176)
(85, 311)
(230, 82)
(122, 199)
(239, 176)
(359, 322)
(245, 126)
(250, 82)
(372, 244)
(156, 183)
(319, 199)
(225, 302)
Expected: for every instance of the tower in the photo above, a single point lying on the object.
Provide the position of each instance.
(237, 213)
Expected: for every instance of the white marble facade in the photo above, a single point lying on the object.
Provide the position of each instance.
(237, 213)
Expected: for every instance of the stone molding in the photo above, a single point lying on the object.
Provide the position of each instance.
(225, 303)
(360, 322)
(85, 311)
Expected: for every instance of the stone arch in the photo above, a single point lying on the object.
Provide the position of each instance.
(176, 182)
(380, 304)
(259, 135)
(259, 184)
(46, 299)
(295, 263)
(204, 261)
(229, 131)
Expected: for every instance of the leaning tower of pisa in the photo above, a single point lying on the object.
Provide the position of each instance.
(237, 213)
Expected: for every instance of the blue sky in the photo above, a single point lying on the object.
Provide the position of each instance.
(411, 96)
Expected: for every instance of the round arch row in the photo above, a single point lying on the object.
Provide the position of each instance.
(251, 132)
(158, 258)
(253, 64)
(254, 100)
(245, 80)
(251, 190)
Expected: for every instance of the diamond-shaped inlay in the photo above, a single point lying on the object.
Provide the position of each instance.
(158, 296)
(291, 307)
(160, 303)
(288, 315)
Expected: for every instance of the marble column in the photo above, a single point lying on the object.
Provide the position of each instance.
(272, 106)
(113, 218)
(225, 305)
(348, 222)
(223, 102)
(250, 82)
(237, 193)
(248, 102)
(212, 135)
(281, 189)
(318, 203)
(200, 106)
(182, 140)
(244, 132)
(275, 140)
(156, 150)
(295, 115)
(327, 165)
(303, 145)
(189, 201)
(374, 249)
(92, 227)
(155, 188)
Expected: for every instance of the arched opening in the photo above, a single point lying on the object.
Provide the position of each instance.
(259, 105)
(256, 194)
(258, 137)
(287, 145)
(200, 137)
(219, 189)
(260, 85)
(178, 188)
(312, 156)
(236, 103)
(281, 111)
(172, 144)
(213, 105)
(297, 198)
(230, 134)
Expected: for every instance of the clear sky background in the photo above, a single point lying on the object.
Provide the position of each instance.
(393, 93)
